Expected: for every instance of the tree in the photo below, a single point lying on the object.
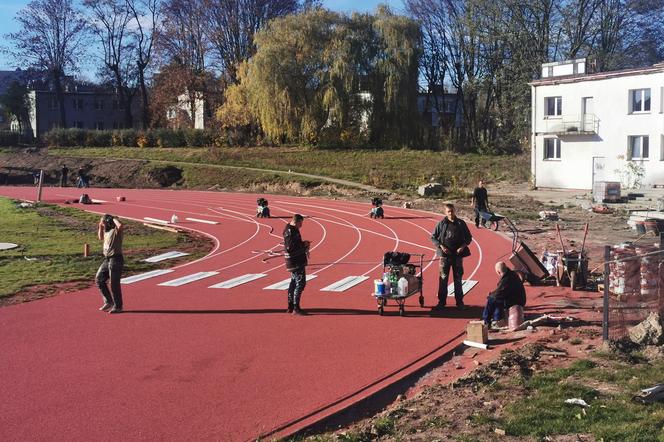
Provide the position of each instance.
(15, 103)
(52, 37)
(110, 21)
(145, 14)
(231, 25)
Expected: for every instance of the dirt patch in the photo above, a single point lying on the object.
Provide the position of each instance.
(166, 176)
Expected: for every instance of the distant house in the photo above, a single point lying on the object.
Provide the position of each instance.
(183, 114)
(589, 127)
(86, 107)
(23, 77)
(440, 107)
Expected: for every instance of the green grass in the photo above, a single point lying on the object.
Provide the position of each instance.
(399, 170)
(53, 237)
(612, 416)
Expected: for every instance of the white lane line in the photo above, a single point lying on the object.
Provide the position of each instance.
(155, 220)
(283, 285)
(204, 221)
(345, 284)
(98, 201)
(466, 287)
(188, 279)
(144, 276)
(238, 281)
(165, 256)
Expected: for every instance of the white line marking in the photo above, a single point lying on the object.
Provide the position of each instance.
(345, 284)
(204, 221)
(165, 256)
(188, 279)
(283, 285)
(98, 201)
(238, 281)
(466, 287)
(144, 276)
(155, 220)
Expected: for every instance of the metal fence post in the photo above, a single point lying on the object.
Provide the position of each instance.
(605, 321)
(40, 185)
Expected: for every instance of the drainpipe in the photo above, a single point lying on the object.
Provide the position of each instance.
(533, 135)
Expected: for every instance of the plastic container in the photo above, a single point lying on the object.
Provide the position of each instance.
(402, 286)
(379, 287)
(387, 285)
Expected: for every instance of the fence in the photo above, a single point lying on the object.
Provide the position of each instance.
(633, 286)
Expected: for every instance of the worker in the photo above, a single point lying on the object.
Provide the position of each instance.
(480, 203)
(296, 254)
(63, 175)
(82, 179)
(508, 293)
(451, 238)
(110, 231)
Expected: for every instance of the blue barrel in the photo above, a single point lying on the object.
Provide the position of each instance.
(379, 286)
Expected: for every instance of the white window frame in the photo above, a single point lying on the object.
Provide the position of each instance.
(556, 147)
(642, 93)
(631, 139)
(557, 107)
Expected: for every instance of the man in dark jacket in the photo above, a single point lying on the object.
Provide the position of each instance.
(510, 292)
(296, 252)
(451, 238)
(480, 203)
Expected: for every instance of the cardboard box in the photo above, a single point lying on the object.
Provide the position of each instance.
(477, 331)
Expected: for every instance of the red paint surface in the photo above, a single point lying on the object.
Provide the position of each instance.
(193, 363)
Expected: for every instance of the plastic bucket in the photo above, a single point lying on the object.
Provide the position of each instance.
(379, 287)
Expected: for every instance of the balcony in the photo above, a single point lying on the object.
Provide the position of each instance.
(585, 124)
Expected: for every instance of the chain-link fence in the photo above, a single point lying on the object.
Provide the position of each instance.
(634, 286)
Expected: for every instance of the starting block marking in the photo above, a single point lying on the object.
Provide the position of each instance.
(156, 220)
(283, 285)
(345, 284)
(467, 286)
(165, 256)
(238, 281)
(144, 276)
(188, 279)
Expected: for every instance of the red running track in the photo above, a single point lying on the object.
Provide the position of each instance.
(194, 363)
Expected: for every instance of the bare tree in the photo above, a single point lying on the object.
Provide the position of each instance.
(109, 20)
(52, 37)
(145, 14)
(231, 25)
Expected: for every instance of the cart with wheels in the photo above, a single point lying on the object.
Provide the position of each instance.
(491, 218)
(394, 270)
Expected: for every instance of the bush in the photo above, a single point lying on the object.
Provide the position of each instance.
(65, 137)
(146, 139)
(198, 137)
(98, 138)
(124, 138)
(8, 138)
(170, 138)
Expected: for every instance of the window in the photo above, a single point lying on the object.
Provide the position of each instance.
(99, 125)
(79, 125)
(52, 104)
(77, 103)
(99, 104)
(639, 100)
(552, 148)
(639, 147)
(553, 106)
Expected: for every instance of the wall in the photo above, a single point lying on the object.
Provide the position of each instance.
(611, 107)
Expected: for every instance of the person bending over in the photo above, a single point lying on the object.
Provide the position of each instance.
(296, 253)
(509, 292)
(110, 231)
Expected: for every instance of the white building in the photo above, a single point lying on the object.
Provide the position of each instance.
(591, 127)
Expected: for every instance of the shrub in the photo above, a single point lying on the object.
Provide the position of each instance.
(170, 138)
(124, 138)
(198, 137)
(65, 137)
(145, 139)
(98, 138)
(8, 138)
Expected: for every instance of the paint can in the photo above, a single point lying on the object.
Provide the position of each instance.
(379, 287)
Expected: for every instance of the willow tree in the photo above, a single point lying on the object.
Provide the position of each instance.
(321, 72)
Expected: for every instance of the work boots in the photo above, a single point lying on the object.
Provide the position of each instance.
(297, 311)
(290, 308)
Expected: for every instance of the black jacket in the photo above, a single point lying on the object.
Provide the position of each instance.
(438, 237)
(295, 249)
(510, 290)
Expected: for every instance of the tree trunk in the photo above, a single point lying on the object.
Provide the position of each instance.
(145, 115)
(59, 96)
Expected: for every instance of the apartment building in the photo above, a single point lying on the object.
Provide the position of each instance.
(590, 127)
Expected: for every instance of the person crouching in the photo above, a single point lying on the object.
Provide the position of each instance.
(296, 254)
(508, 293)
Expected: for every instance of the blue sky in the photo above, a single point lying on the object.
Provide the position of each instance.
(9, 8)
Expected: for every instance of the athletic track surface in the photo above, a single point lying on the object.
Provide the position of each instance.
(191, 362)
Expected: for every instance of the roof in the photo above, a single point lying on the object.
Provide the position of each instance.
(564, 79)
